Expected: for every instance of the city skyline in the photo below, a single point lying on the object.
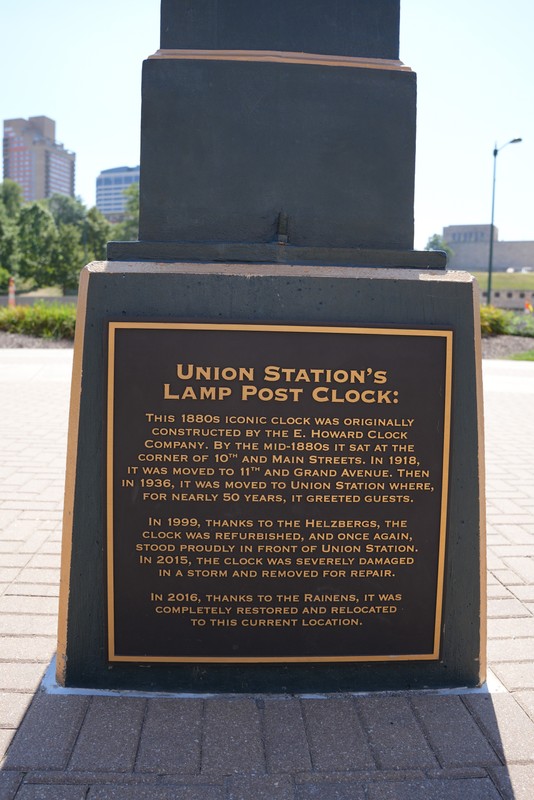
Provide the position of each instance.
(474, 78)
(33, 158)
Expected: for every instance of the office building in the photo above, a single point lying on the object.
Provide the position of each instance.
(110, 186)
(470, 249)
(32, 157)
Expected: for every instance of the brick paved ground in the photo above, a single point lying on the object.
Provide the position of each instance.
(382, 747)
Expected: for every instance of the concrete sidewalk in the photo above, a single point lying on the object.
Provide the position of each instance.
(420, 746)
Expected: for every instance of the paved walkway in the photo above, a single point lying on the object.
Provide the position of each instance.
(473, 746)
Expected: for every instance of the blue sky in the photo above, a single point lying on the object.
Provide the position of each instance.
(80, 63)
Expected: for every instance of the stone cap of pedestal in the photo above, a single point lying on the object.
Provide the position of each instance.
(277, 253)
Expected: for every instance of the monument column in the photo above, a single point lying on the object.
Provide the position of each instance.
(275, 450)
(278, 131)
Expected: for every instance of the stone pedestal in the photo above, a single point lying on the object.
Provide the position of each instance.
(102, 601)
(275, 443)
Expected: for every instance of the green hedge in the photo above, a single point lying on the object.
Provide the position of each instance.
(495, 321)
(57, 321)
(47, 320)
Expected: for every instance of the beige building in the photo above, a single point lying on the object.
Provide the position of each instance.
(470, 249)
(33, 158)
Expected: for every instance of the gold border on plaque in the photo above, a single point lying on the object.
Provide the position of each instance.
(447, 335)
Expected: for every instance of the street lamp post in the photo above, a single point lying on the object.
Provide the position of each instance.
(496, 151)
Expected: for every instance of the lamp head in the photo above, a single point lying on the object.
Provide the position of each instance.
(512, 141)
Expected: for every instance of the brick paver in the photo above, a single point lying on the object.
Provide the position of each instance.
(116, 721)
(515, 782)
(401, 746)
(232, 736)
(179, 749)
(452, 732)
(337, 740)
(286, 743)
(396, 738)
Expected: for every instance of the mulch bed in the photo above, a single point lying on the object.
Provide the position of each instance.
(492, 346)
(19, 340)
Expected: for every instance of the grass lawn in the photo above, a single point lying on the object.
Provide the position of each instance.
(527, 356)
(506, 281)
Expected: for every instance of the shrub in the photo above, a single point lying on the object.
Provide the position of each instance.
(48, 320)
(494, 321)
(521, 325)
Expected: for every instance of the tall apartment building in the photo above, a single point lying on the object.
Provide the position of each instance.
(110, 186)
(33, 158)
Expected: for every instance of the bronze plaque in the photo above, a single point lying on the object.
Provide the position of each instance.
(276, 493)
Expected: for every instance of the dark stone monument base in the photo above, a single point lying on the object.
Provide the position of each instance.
(323, 154)
(277, 253)
(272, 294)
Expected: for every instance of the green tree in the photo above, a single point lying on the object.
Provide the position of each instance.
(128, 229)
(66, 257)
(4, 280)
(10, 205)
(55, 238)
(9, 241)
(82, 237)
(96, 234)
(11, 198)
(38, 237)
(66, 210)
(437, 242)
